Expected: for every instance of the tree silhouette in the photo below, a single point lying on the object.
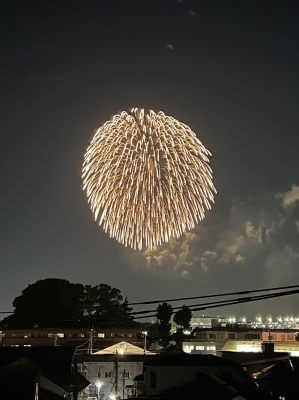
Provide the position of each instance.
(55, 302)
(164, 313)
(183, 317)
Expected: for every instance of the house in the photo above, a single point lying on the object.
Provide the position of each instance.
(112, 370)
(176, 375)
(255, 362)
(38, 373)
(211, 387)
(177, 368)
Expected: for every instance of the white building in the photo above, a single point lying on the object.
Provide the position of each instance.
(111, 371)
(206, 322)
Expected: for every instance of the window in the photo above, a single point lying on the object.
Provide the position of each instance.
(108, 374)
(202, 336)
(153, 379)
(126, 374)
(252, 336)
(186, 349)
(283, 338)
(191, 348)
(212, 336)
(199, 347)
(290, 337)
(60, 334)
(211, 347)
(101, 335)
(271, 337)
(231, 335)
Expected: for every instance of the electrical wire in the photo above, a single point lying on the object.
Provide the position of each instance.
(194, 307)
(223, 303)
(216, 295)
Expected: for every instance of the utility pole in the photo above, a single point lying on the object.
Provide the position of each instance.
(124, 374)
(75, 375)
(116, 373)
(90, 342)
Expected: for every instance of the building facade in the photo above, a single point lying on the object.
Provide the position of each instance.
(111, 371)
(85, 340)
(241, 340)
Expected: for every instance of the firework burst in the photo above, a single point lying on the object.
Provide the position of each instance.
(147, 178)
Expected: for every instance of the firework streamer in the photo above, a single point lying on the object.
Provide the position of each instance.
(147, 178)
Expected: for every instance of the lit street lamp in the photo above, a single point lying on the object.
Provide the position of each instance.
(98, 385)
(144, 334)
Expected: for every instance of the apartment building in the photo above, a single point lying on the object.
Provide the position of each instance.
(86, 340)
(237, 339)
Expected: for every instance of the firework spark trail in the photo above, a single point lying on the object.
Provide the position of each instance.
(147, 178)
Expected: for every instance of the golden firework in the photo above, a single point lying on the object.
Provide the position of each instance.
(147, 178)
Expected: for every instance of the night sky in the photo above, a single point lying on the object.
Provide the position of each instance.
(228, 69)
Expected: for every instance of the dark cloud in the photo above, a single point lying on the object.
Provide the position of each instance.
(256, 241)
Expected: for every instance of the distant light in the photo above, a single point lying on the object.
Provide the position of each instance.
(120, 351)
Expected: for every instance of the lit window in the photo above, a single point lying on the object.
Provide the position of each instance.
(101, 335)
(211, 347)
(199, 347)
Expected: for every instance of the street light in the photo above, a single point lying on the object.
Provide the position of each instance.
(98, 385)
(145, 335)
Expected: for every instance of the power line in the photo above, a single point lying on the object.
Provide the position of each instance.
(194, 307)
(215, 295)
(223, 303)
